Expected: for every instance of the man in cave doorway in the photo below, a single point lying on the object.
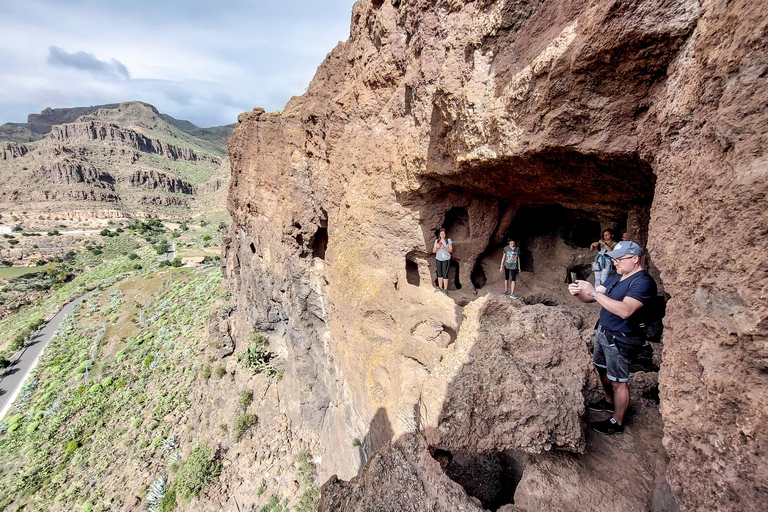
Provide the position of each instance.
(510, 265)
(618, 336)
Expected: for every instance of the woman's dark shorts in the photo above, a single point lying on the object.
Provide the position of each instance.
(442, 268)
(510, 274)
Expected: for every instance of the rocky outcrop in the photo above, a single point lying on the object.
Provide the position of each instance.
(163, 200)
(515, 380)
(71, 172)
(403, 476)
(12, 150)
(105, 131)
(73, 195)
(154, 180)
(545, 121)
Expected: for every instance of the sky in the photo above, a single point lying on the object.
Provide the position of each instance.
(201, 60)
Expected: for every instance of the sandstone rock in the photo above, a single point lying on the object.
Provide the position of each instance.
(621, 473)
(68, 172)
(514, 382)
(98, 130)
(546, 122)
(402, 477)
(10, 150)
(154, 180)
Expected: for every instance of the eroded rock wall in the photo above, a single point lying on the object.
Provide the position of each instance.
(466, 114)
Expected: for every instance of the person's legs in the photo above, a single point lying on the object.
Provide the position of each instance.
(442, 275)
(621, 401)
(512, 282)
(607, 384)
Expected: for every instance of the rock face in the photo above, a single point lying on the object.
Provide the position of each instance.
(67, 172)
(520, 386)
(128, 148)
(402, 477)
(13, 150)
(95, 130)
(545, 121)
(158, 180)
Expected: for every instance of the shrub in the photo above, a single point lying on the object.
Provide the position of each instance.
(243, 423)
(258, 356)
(53, 232)
(71, 447)
(308, 500)
(207, 372)
(133, 256)
(246, 398)
(176, 262)
(306, 471)
(220, 371)
(168, 504)
(197, 473)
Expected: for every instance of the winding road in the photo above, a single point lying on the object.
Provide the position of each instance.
(13, 378)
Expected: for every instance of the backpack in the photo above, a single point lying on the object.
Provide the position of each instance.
(601, 262)
(647, 323)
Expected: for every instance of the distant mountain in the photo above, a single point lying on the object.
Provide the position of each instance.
(39, 125)
(119, 160)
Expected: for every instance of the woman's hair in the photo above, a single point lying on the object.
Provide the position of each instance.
(607, 230)
(441, 230)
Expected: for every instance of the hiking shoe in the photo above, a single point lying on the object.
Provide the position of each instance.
(438, 290)
(505, 293)
(607, 427)
(445, 292)
(513, 296)
(602, 405)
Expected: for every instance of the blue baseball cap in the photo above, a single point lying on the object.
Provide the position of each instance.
(624, 248)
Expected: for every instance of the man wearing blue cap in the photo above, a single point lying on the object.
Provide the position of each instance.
(617, 338)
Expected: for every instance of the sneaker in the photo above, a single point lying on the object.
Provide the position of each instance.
(438, 290)
(602, 405)
(505, 293)
(512, 296)
(607, 427)
(445, 292)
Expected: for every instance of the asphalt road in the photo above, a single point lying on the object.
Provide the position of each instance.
(12, 379)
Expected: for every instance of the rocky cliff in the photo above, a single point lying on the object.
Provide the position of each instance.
(109, 132)
(545, 121)
(128, 148)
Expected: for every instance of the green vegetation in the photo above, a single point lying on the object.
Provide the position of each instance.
(258, 356)
(84, 400)
(246, 398)
(197, 473)
(243, 424)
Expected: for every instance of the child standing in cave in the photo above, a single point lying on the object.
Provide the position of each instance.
(442, 249)
(510, 265)
(602, 266)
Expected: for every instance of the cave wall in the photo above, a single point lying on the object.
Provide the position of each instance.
(606, 107)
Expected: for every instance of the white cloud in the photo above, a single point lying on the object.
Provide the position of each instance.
(193, 59)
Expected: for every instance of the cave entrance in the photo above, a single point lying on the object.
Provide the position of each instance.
(490, 477)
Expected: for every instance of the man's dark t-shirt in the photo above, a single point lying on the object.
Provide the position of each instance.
(640, 286)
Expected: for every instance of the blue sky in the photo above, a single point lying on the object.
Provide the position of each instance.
(198, 60)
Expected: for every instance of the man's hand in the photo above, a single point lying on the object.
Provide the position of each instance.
(584, 287)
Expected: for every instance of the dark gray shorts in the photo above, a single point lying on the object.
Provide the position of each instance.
(614, 358)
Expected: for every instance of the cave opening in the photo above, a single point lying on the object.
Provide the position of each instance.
(253, 248)
(457, 224)
(490, 477)
(320, 243)
(412, 270)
